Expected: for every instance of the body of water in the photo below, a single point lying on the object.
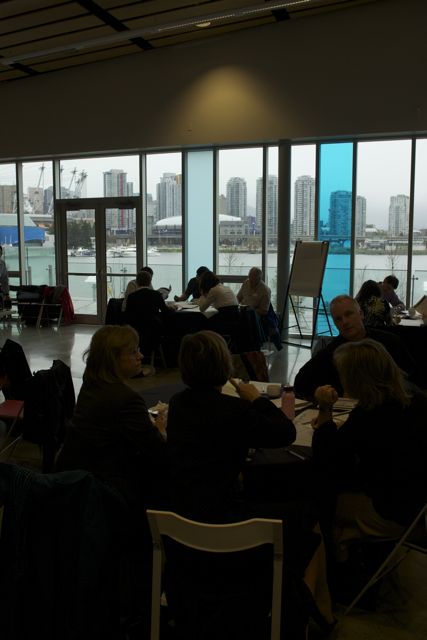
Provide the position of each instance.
(167, 267)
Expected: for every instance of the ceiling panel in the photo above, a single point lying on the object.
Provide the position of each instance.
(43, 36)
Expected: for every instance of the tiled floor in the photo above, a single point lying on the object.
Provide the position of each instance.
(402, 612)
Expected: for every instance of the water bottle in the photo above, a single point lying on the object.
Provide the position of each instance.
(288, 402)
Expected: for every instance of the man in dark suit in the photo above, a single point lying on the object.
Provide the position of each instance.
(348, 319)
(147, 312)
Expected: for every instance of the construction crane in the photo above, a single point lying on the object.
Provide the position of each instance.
(79, 184)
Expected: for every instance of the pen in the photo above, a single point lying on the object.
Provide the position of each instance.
(297, 455)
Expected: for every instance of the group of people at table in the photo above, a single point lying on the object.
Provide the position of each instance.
(145, 309)
(371, 470)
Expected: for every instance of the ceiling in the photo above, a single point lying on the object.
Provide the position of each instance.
(43, 36)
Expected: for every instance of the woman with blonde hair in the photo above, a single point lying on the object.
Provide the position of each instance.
(377, 460)
(112, 434)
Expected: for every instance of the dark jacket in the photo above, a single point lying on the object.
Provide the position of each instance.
(320, 369)
(59, 553)
(112, 436)
(384, 451)
(208, 439)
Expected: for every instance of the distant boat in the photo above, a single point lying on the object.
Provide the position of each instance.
(80, 252)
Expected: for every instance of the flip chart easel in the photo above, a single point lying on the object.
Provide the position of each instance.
(305, 280)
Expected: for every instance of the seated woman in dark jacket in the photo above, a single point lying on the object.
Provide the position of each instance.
(377, 460)
(209, 434)
(112, 434)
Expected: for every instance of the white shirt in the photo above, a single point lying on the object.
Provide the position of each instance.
(218, 297)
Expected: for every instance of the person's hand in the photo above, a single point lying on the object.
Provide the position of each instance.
(247, 391)
(326, 396)
(176, 298)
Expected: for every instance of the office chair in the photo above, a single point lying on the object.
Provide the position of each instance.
(413, 538)
(215, 538)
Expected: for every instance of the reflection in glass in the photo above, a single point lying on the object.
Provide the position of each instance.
(382, 212)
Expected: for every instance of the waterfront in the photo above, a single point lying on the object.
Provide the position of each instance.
(167, 267)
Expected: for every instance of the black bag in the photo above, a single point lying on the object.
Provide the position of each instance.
(49, 404)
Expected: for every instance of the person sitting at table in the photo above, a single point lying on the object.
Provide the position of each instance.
(132, 286)
(388, 291)
(222, 298)
(147, 312)
(113, 437)
(193, 287)
(209, 434)
(376, 311)
(255, 293)
(348, 319)
(377, 460)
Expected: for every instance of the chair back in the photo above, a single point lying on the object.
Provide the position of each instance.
(215, 538)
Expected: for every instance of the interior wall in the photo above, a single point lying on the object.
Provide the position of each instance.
(347, 72)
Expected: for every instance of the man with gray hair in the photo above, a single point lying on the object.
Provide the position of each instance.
(348, 319)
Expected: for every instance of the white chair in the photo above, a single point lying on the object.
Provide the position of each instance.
(413, 538)
(215, 538)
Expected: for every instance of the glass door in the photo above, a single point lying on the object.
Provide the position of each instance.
(99, 251)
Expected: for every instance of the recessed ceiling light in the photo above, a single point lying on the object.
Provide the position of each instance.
(202, 25)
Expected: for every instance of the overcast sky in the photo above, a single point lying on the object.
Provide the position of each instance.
(383, 171)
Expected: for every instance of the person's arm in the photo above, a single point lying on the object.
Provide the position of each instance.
(207, 300)
(137, 426)
(240, 294)
(264, 425)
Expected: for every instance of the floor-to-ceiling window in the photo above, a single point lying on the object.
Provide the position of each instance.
(382, 212)
(208, 206)
(239, 219)
(418, 275)
(164, 219)
(9, 237)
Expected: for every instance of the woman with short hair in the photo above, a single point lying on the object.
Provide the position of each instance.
(209, 434)
(377, 460)
(112, 434)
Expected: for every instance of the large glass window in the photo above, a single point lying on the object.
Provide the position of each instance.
(39, 234)
(335, 215)
(199, 218)
(382, 211)
(303, 218)
(164, 219)
(100, 177)
(272, 220)
(239, 220)
(8, 216)
(419, 242)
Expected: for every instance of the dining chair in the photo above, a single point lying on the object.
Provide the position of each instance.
(413, 538)
(215, 538)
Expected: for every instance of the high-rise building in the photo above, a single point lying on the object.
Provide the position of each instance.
(304, 195)
(237, 197)
(7, 198)
(360, 217)
(272, 205)
(116, 184)
(169, 196)
(340, 214)
(398, 215)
